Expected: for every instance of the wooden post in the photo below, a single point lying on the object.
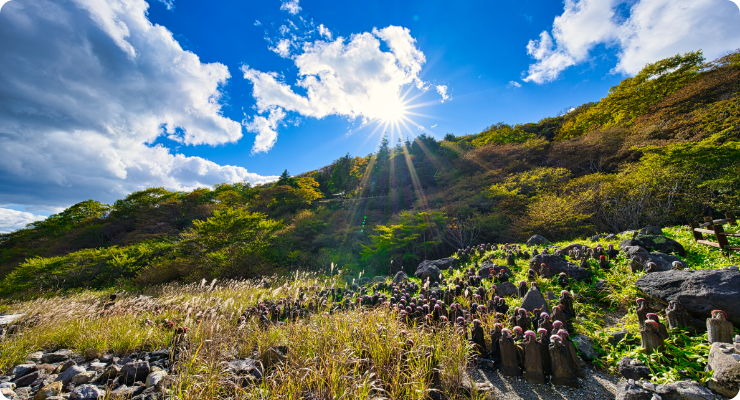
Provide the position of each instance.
(721, 238)
(697, 235)
(710, 220)
(731, 217)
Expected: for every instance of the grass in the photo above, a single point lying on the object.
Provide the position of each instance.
(355, 354)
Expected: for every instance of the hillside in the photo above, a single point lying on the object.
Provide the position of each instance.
(661, 148)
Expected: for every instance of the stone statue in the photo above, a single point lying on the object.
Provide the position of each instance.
(495, 336)
(720, 330)
(544, 341)
(678, 317)
(562, 373)
(509, 354)
(523, 321)
(573, 356)
(533, 370)
(479, 337)
(651, 338)
(642, 311)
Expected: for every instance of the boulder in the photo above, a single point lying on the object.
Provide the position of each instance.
(506, 289)
(534, 299)
(66, 376)
(663, 262)
(380, 279)
(442, 263)
(23, 369)
(247, 370)
(154, 378)
(127, 392)
(87, 392)
(633, 369)
(628, 390)
(487, 267)
(111, 372)
(27, 379)
(724, 361)
(565, 250)
(655, 243)
(585, 346)
(556, 265)
(428, 271)
(273, 356)
(36, 356)
(611, 236)
(52, 389)
(363, 281)
(651, 230)
(698, 291)
(8, 393)
(537, 240)
(683, 390)
(134, 371)
(616, 337)
(57, 356)
(596, 238)
(400, 277)
(83, 378)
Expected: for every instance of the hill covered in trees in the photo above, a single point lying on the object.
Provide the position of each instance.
(660, 148)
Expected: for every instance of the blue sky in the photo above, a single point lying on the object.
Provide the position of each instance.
(99, 98)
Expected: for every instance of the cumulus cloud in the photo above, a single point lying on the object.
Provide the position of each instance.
(325, 32)
(11, 220)
(282, 48)
(346, 77)
(86, 88)
(257, 22)
(652, 30)
(442, 90)
(514, 84)
(291, 6)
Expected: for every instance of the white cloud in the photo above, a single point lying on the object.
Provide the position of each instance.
(514, 84)
(654, 29)
(290, 6)
(282, 48)
(11, 220)
(170, 4)
(420, 128)
(257, 22)
(442, 90)
(346, 77)
(266, 129)
(434, 126)
(325, 32)
(2, 3)
(85, 87)
(284, 29)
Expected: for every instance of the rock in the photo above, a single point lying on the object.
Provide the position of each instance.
(57, 356)
(662, 261)
(633, 369)
(506, 289)
(155, 377)
(602, 286)
(7, 385)
(611, 236)
(431, 268)
(616, 337)
(52, 389)
(683, 390)
(627, 390)
(66, 376)
(36, 357)
(565, 250)
(585, 346)
(27, 379)
(83, 377)
(596, 238)
(87, 392)
(556, 265)
(23, 369)
(537, 240)
(698, 291)
(135, 371)
(111, 372)
(429, 272)
(7, 392)
(247, 369)
(651, 230)
(726, 369)
(400, 277)
(551, 296)
(127, 392)
(534, 299)
(98, 366)
(65, 365)
(273, 356)
(655, 243)
(363, 281)
(380, 279)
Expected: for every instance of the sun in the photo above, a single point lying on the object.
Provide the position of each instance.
(392, 110)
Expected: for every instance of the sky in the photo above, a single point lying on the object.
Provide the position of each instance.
(100, 98)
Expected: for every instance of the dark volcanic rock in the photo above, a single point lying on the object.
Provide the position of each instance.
(627, 390)
(27, 379)
(556, 265)
(633, 369)
(537, 240)
(400, 277)
(651, 230)
(698, 291)
(432, 268)
(506, 289)
(655, 243)
(662, 261)
(135, 371)
(534, 299)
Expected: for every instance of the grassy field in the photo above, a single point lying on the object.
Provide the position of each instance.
(354, 354)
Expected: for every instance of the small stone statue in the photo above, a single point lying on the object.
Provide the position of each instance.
(510, 260)
(509, 354)
(565, 339)
(533, 369)
(523, 320)
(559, 316)
(545, 323)
(719, 329)
(495, 336)
(531, 275)
(604, 263)
(611, 252)
(522, 289)
(651, 338)
(642, 311)
(677, 266)
(661, 327)
(562, 373)
(566, 303)
(479, 337)
(678, 317)
(563, 280)
(544, 342)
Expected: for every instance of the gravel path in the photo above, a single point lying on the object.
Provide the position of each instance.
(597, 385)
